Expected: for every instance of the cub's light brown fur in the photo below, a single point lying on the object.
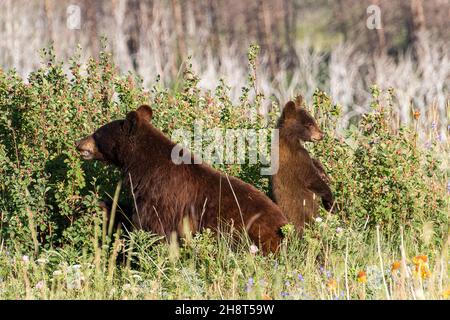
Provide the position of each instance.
(301, 179)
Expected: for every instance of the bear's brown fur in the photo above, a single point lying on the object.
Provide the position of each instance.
(166, 194)
(300, 178)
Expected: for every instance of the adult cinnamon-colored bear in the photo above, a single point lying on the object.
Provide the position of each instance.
(166, 193)
(300, 178)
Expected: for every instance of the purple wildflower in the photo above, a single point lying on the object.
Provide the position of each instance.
(40, 285)
(300, 277)
(249, 284)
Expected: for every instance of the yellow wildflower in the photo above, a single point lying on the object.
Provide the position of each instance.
(423, 271)
(446, 293)
(421, 266)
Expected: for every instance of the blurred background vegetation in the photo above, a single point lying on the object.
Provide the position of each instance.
(304, 45)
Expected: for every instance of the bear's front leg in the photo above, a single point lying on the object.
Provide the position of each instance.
(320, 187)
(123, 214)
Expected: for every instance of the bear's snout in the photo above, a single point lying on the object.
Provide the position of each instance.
(86, 147)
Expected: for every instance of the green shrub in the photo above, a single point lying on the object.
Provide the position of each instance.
(380, 176)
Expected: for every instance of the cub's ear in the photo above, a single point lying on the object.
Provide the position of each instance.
(299, 101)
(289, 110)
(145, 112)
(131, 123)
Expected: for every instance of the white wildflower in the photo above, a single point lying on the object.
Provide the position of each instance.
(57, 273)
(419, 294)
(253, 249)
(126, 286)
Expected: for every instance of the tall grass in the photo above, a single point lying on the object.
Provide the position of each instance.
(206, 268)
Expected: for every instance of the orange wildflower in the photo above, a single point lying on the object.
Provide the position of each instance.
(332, 284)
(266, 297)
(362, 277)
(395, 266)
(421, 266)
(416, 115)
(420, 259)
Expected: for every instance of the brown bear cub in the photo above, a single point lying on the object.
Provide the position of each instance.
(168, 194)
(300, 178)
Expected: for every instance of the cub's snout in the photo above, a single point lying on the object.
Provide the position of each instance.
(317, 134)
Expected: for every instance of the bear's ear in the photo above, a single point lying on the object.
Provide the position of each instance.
(289, 110)
(145, 112)
(131, 123)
